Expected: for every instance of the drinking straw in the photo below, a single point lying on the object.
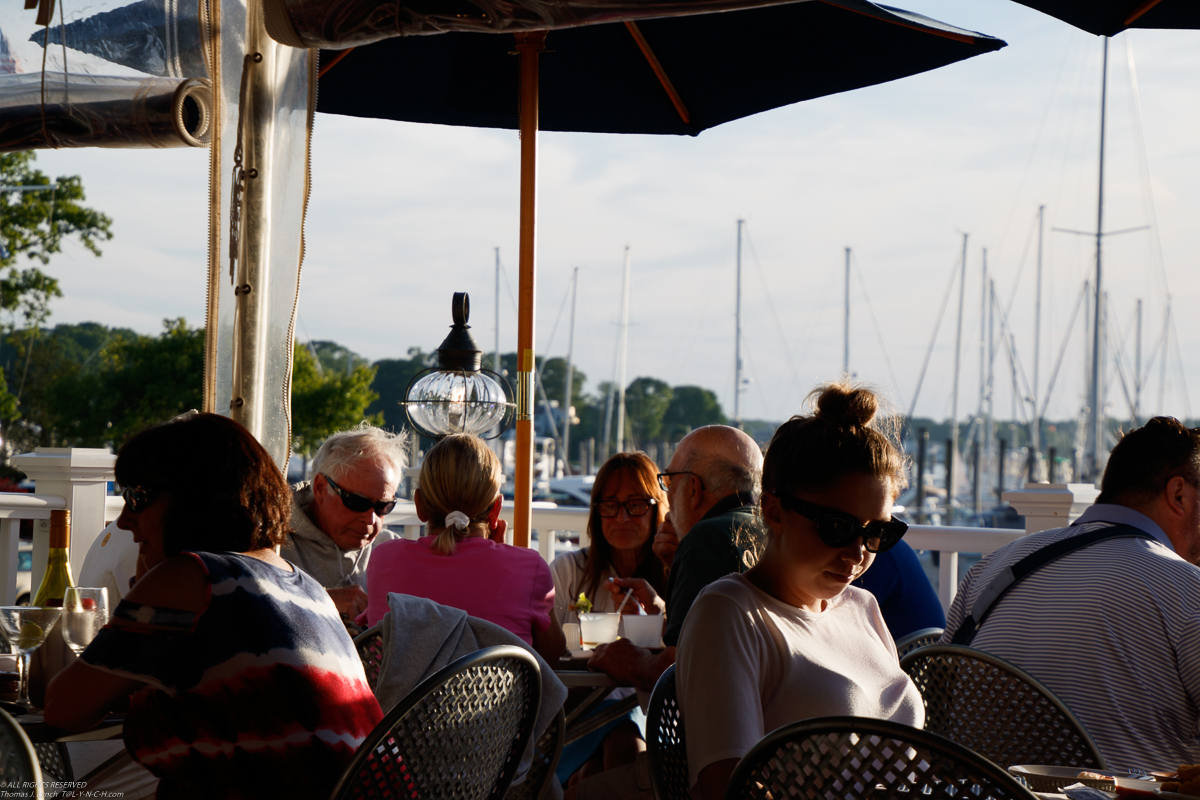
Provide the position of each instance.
(628, 594)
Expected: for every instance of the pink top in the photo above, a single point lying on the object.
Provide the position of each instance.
(510, 586)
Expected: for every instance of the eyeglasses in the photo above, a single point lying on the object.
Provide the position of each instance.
(839, 529)
(357, 503)
(634, 508)
(138, 498)
(664, 479)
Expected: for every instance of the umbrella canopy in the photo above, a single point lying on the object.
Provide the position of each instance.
(600, 78)
(667, 74)
(1110, 17)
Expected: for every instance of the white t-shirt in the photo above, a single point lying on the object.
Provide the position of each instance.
(749, 663)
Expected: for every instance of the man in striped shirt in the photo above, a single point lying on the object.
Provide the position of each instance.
(1113, 628)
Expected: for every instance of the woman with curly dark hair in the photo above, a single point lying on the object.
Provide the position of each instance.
(240, 678)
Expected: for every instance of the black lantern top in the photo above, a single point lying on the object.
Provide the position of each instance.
(459, 351)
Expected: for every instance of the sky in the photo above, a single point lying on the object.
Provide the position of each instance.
(403, 215)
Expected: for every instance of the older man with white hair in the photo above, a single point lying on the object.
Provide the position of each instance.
(337, 518)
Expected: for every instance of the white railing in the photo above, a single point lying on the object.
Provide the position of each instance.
(76, 479)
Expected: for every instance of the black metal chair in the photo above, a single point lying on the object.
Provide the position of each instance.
(997, 709)
(848, 758)
(55, 763)
(458, 735)
(369, 644)
(18, 760)
(546, 753)
(666, 746)
(922, 638)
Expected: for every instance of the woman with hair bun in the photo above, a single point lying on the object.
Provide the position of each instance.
(791, 639)
(463, 562)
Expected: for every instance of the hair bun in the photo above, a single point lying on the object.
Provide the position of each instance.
(845, 406)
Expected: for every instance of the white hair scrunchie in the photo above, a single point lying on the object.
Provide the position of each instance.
(457, 519)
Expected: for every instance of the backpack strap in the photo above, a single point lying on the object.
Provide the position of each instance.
(1013, 574)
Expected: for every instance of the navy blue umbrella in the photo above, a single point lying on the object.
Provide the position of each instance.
(677, 74)
(1110, 17)
(618, 77)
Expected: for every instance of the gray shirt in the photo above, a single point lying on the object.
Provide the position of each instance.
(312, 550)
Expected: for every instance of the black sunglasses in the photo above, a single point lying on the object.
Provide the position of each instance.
(357, 503)
(839, 529)
(138, 498)
(635, 508)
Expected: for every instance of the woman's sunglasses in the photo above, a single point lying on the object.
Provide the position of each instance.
(357, 503)
(138, 498)
(839, 529)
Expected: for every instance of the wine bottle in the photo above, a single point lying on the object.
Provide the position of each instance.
(58, 564)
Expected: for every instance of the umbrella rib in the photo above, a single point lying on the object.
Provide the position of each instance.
(636, 32)
(336, 60)
(1142, 8)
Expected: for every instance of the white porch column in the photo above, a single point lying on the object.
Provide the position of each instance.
(80, 476)
(1051, 505)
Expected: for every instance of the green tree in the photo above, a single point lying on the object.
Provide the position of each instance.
(34, 224)
(646, 402)
(138, 381)
(691, 407)
(335, 357)
(324, 402)
(554, 377)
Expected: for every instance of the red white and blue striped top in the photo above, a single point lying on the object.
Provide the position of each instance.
(259, 695)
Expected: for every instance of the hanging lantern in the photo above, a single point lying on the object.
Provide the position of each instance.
(458, 396)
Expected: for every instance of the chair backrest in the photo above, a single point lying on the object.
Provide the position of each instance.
(18, 761)
(369, 644)
(922, 638)
(546, 753)
(460, 734)
(997, 709)
(831, 758)
(666, 747)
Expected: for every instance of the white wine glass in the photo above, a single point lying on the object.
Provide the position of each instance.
(26, 627)
(85, 612)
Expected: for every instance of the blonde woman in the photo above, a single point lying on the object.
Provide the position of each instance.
(463, 562)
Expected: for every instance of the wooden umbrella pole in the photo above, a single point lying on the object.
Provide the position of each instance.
(529, 45)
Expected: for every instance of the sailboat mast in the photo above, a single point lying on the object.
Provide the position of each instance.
(980, 430)
(846, 332)
(952, 457)
(1137, 370)
(1095, 427)
(737, 335)
(498, 366)
(621, 356)
(1035, 440)
(570, 382)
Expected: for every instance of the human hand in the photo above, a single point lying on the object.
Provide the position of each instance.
(350, 600)
(496, 533)
(666, 541)
(643, 593)
(623, 661)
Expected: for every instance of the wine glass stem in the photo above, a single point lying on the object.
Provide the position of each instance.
(23, 668)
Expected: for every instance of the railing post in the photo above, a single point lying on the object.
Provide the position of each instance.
(80, 476)
(1051, 505)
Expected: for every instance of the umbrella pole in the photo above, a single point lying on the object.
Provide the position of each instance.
(529, 45)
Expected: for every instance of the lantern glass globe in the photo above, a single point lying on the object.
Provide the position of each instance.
(445, 402)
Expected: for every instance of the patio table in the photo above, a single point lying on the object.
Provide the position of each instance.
(573, 672)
